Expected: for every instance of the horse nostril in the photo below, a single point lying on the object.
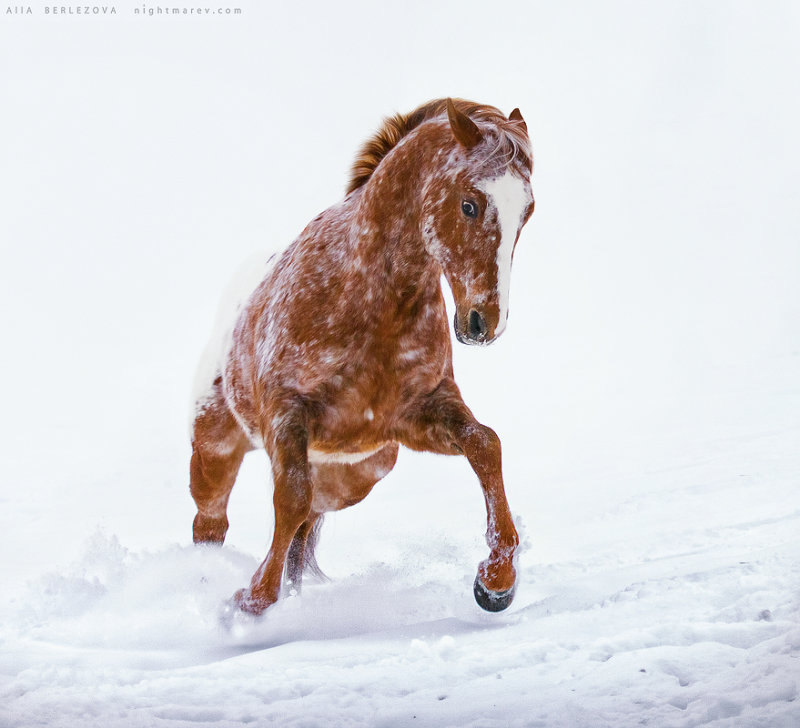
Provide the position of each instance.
(477, 325)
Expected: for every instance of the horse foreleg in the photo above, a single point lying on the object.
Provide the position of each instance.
(292, 505)
(442, 423)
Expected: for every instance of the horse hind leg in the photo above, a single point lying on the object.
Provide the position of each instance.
(336, 486)
(302, 492)
(300, 558)
(218, 448)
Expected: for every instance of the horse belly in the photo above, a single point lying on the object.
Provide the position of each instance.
(340, 481)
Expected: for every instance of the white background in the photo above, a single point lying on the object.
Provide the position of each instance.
(646, 390)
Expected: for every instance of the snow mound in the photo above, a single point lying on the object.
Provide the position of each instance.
(167, 606)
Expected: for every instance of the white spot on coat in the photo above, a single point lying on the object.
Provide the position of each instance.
(343, 458)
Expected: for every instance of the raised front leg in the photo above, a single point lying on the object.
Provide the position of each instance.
(442, 423)
(292, 505)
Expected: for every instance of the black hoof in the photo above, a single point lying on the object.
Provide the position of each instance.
(492, 601)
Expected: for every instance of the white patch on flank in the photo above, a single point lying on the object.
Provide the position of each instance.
(343, 458)
(240, 288)
(369, 415)
(510, 196)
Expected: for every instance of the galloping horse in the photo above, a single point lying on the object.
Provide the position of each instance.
(342, 352)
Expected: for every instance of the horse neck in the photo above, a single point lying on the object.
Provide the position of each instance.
(386, 225)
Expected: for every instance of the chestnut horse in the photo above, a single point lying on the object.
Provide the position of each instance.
(342, 352)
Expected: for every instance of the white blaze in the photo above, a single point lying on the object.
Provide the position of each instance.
(510, 196)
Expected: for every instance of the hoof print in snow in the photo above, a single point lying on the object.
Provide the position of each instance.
(492, 601)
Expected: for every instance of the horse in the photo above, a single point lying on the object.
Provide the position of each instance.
(342, 352)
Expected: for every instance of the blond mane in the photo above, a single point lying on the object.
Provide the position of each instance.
(513, 138)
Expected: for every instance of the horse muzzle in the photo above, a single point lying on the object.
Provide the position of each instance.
(474, 329)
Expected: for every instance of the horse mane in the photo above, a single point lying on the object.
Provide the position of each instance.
(513, 139)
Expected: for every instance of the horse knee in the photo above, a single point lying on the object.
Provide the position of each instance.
(481, 445)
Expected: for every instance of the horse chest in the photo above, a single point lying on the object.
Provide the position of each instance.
(362, 401)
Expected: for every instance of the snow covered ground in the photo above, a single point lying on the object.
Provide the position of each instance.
(647, 390)
(663, 593)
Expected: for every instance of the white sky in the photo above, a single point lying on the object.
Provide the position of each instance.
(142, 159)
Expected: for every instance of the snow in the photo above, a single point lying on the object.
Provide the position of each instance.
(650, 419)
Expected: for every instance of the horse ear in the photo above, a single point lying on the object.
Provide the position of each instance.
(516, 115)
(464, 128)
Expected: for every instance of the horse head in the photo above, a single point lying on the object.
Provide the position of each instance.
(474, 206)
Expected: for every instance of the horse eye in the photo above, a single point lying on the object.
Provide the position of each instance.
(469, 208)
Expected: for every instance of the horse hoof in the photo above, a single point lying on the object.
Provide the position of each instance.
(245, 602)
(492, 601)
(241, 611)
